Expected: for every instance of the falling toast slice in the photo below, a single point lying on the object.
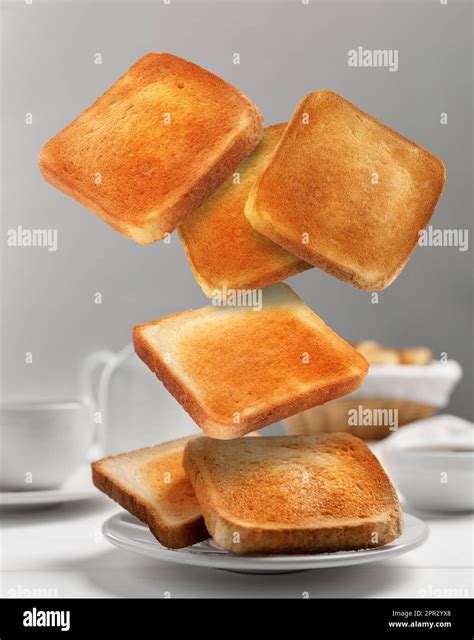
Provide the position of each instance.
(236, 369)
(293, 494)
(154, 146)
(346, 193)
(223, 249)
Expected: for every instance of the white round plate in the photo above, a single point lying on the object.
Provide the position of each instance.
(78, 487)
(126, 532)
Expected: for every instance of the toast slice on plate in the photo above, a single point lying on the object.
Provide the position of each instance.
(293, 494)
(236, 369)
(151, 484)
(154, 146)
(224, 251)
(346, 193)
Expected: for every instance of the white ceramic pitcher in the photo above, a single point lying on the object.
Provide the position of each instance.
(132, 407)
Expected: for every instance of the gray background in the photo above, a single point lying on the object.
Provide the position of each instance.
(287, 49)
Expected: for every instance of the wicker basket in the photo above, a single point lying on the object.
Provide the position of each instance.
(333, 417)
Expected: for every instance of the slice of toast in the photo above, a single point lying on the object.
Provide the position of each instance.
(224, 251)
(154, 146)
(236, 369)
(293, 494)
(346, 193)
(151, 484)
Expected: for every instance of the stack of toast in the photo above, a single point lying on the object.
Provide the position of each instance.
(274, 494)
(172, 146)
(167, 146)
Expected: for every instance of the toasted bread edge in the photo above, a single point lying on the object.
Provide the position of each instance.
(173, 537)
(245, 140)
(376, 532)
(261, 223)
(228, 431)
(210, 288)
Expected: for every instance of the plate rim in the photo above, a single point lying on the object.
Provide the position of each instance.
(43, 496)
(270, 563)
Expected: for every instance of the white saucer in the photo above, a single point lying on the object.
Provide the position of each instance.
(78, 487)
(126, 532)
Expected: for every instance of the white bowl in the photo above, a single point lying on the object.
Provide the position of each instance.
(432, 464)
(430, 384)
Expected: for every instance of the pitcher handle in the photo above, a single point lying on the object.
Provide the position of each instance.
(108, 361)
(99, 360)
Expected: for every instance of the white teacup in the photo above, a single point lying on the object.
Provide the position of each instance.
(43, 443)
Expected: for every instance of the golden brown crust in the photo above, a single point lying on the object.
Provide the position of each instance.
(160, 141)
(175, 534)
(245, 359)
(362, 232)
(219, 472)
(222, 248)
(225, 430)
(165, 374)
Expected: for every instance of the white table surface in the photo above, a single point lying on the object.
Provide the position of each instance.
(61, 549)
